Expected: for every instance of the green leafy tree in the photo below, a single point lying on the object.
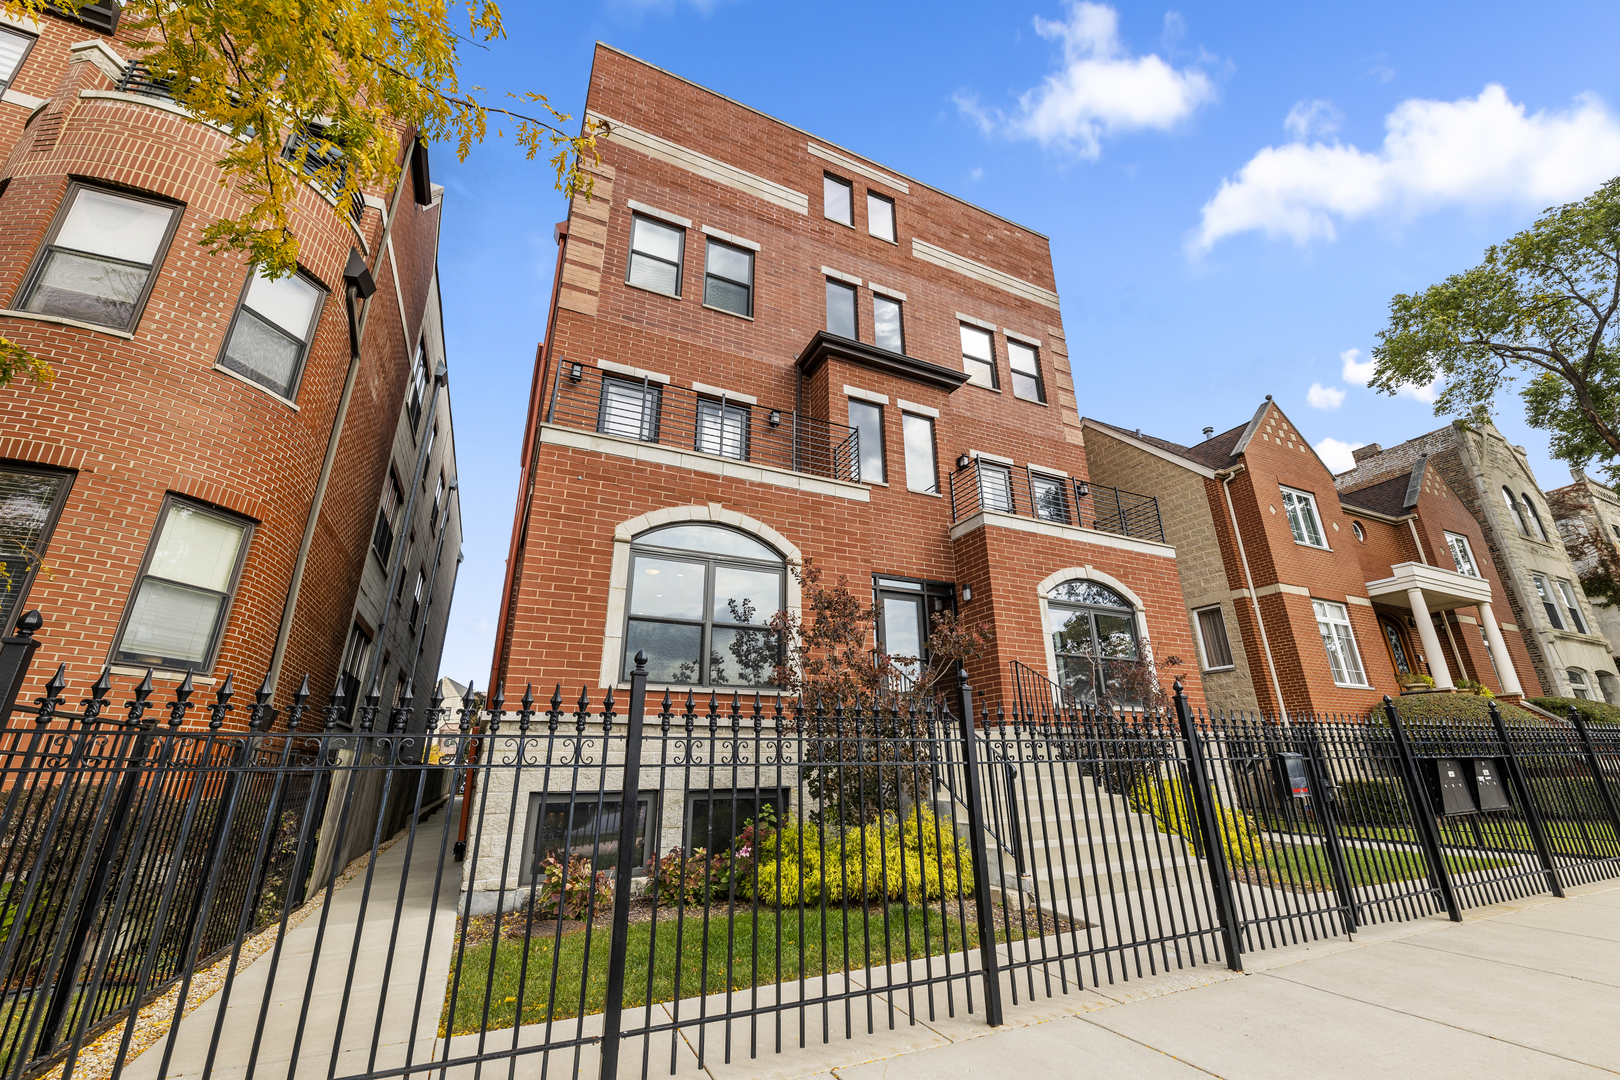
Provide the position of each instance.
(1541, 314)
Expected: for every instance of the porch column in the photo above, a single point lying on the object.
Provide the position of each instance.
(1499, 653)
(1431, 640)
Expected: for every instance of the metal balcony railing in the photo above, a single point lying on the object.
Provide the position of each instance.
(585, 396)
(1014, 489)
(140, 79)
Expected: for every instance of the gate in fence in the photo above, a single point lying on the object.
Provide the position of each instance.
(643, 886)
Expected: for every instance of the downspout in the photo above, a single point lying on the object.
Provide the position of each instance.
(357, 331)
(1226, 476)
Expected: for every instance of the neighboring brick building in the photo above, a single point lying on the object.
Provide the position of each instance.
(1588, 517)
(202, 481)
(1494, 482)
(1338, 597)
(738, 300)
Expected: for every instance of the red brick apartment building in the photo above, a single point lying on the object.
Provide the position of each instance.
(1337, 596)
(211, 481)
(765, 348)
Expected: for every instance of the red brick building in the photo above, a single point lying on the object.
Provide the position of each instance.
(765, 348)
(200, 489)
(1337, 596)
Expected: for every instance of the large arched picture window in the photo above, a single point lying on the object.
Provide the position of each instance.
(701, 597)
(1094, 641)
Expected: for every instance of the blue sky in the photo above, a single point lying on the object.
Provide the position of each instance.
(1233, 192)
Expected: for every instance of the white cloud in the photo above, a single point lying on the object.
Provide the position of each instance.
(1474, 151)
(1309, 118)
(1425, 393)
(1337, 455)
(1101, 90)
(1356, 370)
(1324, 397)
(977, 174)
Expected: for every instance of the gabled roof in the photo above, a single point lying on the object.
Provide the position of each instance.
(1388, 496)
(1214, 452)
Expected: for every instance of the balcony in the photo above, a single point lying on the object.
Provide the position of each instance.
(980, 485)
(629, 406)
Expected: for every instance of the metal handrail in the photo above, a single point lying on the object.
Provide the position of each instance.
(1011, 489)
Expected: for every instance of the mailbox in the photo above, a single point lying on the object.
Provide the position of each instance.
(1450, 789)
(1293, 779)
(1489, 792)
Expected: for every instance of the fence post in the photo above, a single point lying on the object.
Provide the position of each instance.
(1322, 801)
(1596, 766)
(1422, 814)
(973, 796)
(1214, 843)
(1532, 816)
(16, 653)
(613, 1014)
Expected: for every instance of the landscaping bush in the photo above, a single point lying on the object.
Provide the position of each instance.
(573, 891)
(1373, 801)
(681, 877)
(1453, 708)
(1570, 798)
(1593, 712)
(1166, 799)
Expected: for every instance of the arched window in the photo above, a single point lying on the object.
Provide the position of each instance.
(1094, 641)
(1535, 516)
(1578, 686)
(701, 597)
(1513, 509)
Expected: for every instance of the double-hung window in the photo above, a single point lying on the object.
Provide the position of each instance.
(1549, 602)
(995, 486)
(586, 824)
(1333, 620)
(1461, 554)
(922, 471)
(837, 199)
(887, 327)
(416, 594)
(1025, 363)
(30, 502)
(274, 325)
(178, 608)
(1051, 497)
(1302, 517)
(1217, 647)
(1516, 513)
(1578, 686)
(728, 279)
(655, 255)
(100, 258)
(722, 429)
(1567, 592)
(880, 216)
(14, 46)
(841, 309)
(1535, 516)
(978, 357)
(867, 420)
(438, 504)
(388, 514)
(419, 381)
(629, 409)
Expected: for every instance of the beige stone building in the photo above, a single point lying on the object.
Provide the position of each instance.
(1494, 480)
(1588, 517)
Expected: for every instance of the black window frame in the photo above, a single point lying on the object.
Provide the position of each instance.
(599, 801)
(20, 585)
(933, 450)
(415, 402)
(990, 336)
(708, 273)
(847, 185)
(1042, 486)
(1229, 662)
(882, 456)
(632, 253)
(427, 454)
(417, 592)
(780, 795)
(438, 497)
(706, 411)
(1013, 374)
(900, 319)
(1004, 474)
(115, 654)
(894, 220)
(935, 597)
(305, 344)
(854, 308)
(1092, 609)
(650, 391)
(383, 551)
(33, 39)
(36, 268)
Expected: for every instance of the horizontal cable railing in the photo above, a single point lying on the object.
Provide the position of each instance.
(1013, 489)
(585, 396)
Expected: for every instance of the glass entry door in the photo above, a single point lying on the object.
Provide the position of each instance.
(905, 608)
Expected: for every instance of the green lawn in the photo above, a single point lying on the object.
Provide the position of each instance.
(1565, 837)
(801, 951)
(1308, 865)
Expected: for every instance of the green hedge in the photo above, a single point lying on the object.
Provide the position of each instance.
(1454, 708)
(1593, 712)
(1373, 801)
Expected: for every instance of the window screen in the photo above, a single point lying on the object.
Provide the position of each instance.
(272, 331)
(728, 282)
(99, 265)
(922, 474)
(655, 255)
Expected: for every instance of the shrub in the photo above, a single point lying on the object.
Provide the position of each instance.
(1568, 798)
(681, 877)
(1373, 801)
(575, 889)
(1453, 708)
(1593, 712)
(1166, 799)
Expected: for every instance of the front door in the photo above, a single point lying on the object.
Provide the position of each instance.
(905, 608)
(1400, 648)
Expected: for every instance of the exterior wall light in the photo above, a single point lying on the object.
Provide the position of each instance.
(1081, 488)
(962, 462)
(576, 372)
(967, 593)
(775, 418)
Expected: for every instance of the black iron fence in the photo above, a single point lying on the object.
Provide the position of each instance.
(640, 407)
(981, 484)
(662, 883)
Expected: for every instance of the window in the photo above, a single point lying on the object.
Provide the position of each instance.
(655, 255)
(1361, 534)
(1549, 603)
(1461, 554)
(701, 597)
(837, 199)
(978, 357)
(995, 486)
(1302, 519)
(841, 309)
(1535, 516)
(100, 258)
(1333, 620)
(1051, 495)
(14, 48)
(867, 420)
(1094, 642)
(1578, 686)
(272, 331)
(887, 328)
(413, 403)
(393, 504)
(906, 609)
(416, 597)
(629, 409)
(410, 549)
(880, 216)
(921, 472)
(30, 501)
(722, 429)
(1026, 371)
(1616, 529)
(1212, 636)
(563, 825)
(438, 503)
(728, 279)
(1571, 605)
(715, 818)
(1517, 514)
(356, 662)
(178, 607)
(427, 455)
